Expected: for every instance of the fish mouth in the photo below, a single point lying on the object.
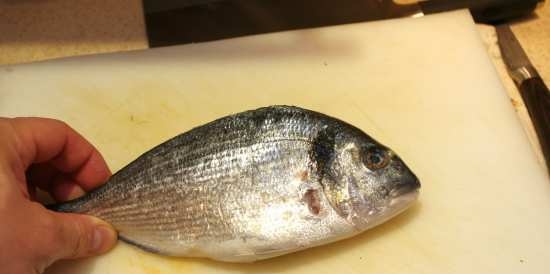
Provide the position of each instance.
(401, 202)
(404, 199)
(404, 195)
(411, 186)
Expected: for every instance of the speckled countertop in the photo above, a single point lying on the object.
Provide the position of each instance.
(32, 30)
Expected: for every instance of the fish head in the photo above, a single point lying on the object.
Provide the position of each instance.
(369, 183)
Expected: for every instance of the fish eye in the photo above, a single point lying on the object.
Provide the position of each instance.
(376, 158)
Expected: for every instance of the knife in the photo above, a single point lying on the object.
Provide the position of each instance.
(173, 22)
(533, 91)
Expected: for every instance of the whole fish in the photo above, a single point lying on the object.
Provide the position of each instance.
(253, 185)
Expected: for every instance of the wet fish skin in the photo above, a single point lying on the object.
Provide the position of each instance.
(253, 185)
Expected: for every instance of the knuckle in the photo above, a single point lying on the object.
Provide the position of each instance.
(50, 230)
(68, 235)
(78, 244)
(47, 233)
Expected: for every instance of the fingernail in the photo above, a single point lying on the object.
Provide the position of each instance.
(101, 235)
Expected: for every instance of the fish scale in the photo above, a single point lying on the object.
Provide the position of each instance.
(253, 185)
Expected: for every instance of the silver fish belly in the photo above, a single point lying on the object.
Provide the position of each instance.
(253, 185)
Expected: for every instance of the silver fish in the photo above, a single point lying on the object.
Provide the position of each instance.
(253, 185)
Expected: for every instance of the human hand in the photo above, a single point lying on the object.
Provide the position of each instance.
(46, 154)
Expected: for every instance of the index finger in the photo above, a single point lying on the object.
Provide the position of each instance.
(47, 140)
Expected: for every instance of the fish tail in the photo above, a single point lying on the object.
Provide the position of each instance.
(60, 207)
(78, 205)
(75, 206)
(147, 248)
(53, 207)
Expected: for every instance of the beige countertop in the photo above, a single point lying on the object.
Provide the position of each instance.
(33, 30)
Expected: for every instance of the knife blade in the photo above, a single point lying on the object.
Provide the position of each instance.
(173, 22)
(534, 92)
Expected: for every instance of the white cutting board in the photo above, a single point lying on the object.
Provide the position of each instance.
(425, 87)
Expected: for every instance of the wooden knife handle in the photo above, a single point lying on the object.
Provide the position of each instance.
(536, 97)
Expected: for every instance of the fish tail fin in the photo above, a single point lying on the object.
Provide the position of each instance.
(75, 206)
(60, 207)
(143, 246)
(53, 207)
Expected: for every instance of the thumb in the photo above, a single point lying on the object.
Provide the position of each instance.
(80, 236)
